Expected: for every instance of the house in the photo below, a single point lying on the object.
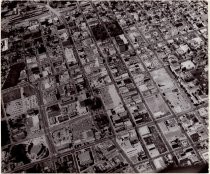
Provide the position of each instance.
(188, 65)
(122, 43)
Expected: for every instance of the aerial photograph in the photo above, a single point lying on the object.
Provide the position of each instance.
(104, 86)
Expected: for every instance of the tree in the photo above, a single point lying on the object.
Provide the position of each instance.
(19, 153)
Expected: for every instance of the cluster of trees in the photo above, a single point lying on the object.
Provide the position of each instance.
(94, 103)
(114, 28)
(99, 32)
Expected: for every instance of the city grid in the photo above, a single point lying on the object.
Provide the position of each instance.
(104, 86)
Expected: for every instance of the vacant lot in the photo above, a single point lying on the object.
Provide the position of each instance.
(163, 80)
(157, 106)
